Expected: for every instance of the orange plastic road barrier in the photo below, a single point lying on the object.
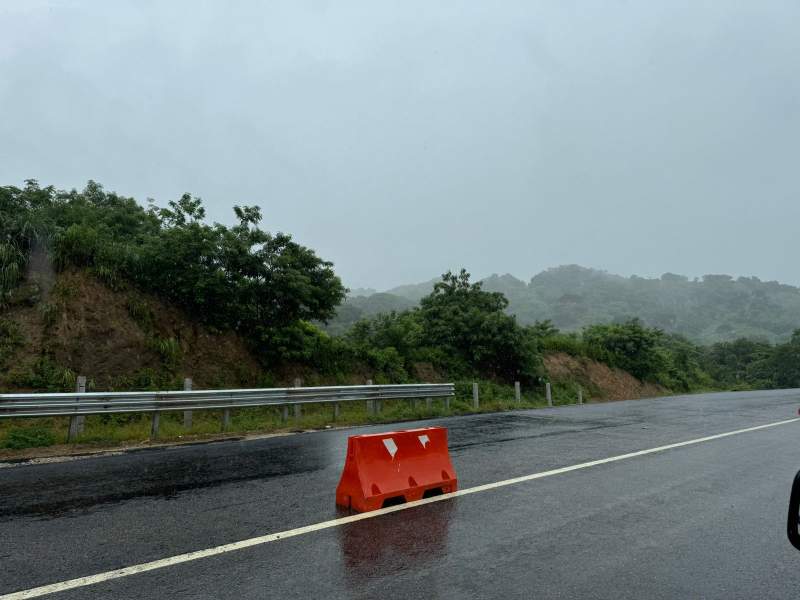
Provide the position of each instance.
(382, 469)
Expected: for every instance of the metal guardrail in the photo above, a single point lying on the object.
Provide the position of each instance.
(97, 403)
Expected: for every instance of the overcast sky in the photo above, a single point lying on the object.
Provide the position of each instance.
(400, 139)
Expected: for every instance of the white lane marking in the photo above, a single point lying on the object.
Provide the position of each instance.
(273, 537)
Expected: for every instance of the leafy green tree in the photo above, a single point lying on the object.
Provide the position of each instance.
(402, 331)
(239, 277)
(462, 319)
(630, 346)
(786, 362)
(741, 363)
(387, 343)
(684, 369)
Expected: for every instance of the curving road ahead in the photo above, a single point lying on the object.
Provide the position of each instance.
(705, 519)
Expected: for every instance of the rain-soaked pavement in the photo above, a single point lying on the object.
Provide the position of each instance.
(706, 520)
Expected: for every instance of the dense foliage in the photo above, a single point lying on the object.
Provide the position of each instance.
(241, 278)
(458, 328)
(745, 363)
(647, 353)
(20, 230)
(677, 363)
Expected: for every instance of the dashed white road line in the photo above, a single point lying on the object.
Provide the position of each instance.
(273, 537)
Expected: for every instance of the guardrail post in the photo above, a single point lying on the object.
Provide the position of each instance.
(548, 392)
(335, 411)
(226, 419)
(476, 401)
(154, 425)
(517, 392)
(370, 402)
(80, 387)
(72, 435)
(447, 402)
(187, 414)
(76, 423)
(429, 403)
(298, 408)
(580, 395)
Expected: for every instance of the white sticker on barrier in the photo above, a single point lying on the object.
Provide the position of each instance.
(390, 446)
(424, 439)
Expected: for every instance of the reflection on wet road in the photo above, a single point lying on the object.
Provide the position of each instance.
(395, 543)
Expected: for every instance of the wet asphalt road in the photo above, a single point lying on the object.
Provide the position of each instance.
(702, 521)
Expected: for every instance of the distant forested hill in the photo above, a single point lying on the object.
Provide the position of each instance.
(709, 309)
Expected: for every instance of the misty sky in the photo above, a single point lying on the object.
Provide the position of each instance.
(400, 139)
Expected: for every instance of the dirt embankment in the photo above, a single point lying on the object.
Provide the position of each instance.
(601, 381)
(79, 324)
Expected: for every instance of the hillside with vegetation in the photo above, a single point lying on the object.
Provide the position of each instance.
(59, 248)
(93, 283)
(714, 308)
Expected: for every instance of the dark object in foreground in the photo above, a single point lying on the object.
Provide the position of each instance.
(385, 469)
(793, 522)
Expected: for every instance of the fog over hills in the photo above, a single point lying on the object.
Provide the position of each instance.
(708, 309)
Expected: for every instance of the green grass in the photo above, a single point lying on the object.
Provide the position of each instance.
(109, 430)
(32, 436)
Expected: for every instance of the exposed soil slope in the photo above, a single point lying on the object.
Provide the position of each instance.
(82, 326)
(601, 381)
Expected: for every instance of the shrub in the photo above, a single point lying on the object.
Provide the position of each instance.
(77, 245)
(44, 376)
(10, 339)
(569, 343)
(11, 262)
(141, 313)
(630, 346)
(169, 349)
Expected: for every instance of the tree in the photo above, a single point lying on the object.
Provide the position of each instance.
(741, 363)
(629, 346)
(243, 278)
(786, 362)
(240, 277)
(469, 323)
